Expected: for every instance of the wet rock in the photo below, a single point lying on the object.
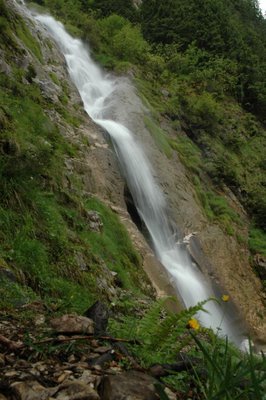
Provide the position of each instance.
(129, 385)
(99, 313)
(76, 390)
(94, 220)
(71, 323)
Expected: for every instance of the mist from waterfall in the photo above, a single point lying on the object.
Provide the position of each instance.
(96, 90)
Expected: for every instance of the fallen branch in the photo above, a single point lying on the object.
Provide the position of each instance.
(20, 345)
(88, 337)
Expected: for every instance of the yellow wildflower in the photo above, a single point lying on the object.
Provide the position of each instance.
(225, 297)
(193, 324)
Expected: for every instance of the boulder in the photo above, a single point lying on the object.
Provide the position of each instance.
(32, 390)
(76, 390)
(130, 385)
(99, 313)
(71, 323)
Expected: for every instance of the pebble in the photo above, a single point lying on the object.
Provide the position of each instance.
(102, 349)
(11, 374)
(71, 359)
(63, 376)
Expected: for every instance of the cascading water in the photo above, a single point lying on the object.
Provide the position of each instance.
(96, 91)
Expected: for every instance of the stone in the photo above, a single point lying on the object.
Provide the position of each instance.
(103, 359)
(81, 262)
(99, 313)
(76, 390)
(63, 376)
(94, 220)
(32, 391)
(4, 67)
(48, 88)
(170, 394)
(102, 349)
(260, 265)
(71, 358)
(71, 323)
(130, 385)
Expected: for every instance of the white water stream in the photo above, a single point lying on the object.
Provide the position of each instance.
(96, 91)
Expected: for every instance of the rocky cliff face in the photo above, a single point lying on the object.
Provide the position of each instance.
(223, 260)
(219, 255)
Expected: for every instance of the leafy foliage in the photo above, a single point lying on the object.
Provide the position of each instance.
(230, 375)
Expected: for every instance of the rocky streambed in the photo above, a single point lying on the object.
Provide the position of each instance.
(72, 357)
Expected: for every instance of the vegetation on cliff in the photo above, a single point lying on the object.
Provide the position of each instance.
(207, 83)
(47, 250)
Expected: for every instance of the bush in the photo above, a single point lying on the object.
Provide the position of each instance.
(124, 40)
(203, 111)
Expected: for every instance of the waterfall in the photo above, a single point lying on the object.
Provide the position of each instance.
(96, 91)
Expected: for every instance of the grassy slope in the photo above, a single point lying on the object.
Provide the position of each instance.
(44, 235)
(44, 231)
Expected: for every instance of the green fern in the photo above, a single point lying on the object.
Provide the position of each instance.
(162, 332)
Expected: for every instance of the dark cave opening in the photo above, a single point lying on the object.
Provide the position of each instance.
(132, 210)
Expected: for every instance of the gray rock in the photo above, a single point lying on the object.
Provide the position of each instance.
(49, 89)
(129, 385)
(31, 391)
(260, 265)
(99, 313)
(4, 67)
(94, 220)
(76, 390)
(71, 323)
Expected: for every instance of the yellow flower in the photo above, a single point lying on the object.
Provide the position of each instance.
(193, 324)
(225, 297)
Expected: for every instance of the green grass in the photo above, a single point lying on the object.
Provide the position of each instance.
(44, 229)
(14, 295)
(216, 207)
(229, 375)
(159, 136)
(257, 241)
(115, 247)
(188, 152)
(29, 41)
